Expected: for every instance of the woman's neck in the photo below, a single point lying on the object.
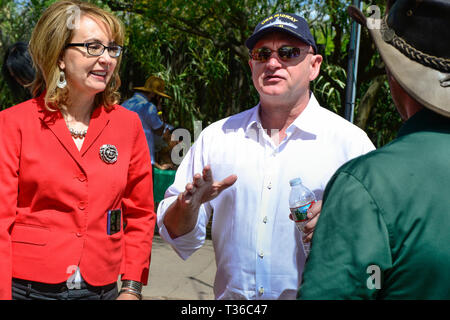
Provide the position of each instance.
(79, 109)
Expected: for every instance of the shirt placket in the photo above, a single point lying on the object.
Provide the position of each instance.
(265, 224)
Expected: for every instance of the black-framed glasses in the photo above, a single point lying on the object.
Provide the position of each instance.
(97, 48)
(285, 53)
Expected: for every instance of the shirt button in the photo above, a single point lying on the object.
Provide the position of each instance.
(261, 254)
(269, 186)
(265, 219)
(81, 177)
(261, 290)
(79, 234)
(82, 205)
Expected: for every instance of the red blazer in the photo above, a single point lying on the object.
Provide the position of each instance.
(54, 198)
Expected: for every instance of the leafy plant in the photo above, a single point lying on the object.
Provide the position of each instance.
(198, 48)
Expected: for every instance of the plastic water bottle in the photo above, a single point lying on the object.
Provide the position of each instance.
(300, 199)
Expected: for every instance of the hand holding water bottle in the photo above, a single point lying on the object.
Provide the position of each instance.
(313, 216)
(305, 211)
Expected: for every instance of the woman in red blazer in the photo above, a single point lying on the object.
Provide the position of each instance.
(76, 198)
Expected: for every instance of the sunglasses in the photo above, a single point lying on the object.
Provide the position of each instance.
(97, 48)
(285, 53)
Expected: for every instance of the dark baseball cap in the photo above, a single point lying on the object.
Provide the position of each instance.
(282, 22)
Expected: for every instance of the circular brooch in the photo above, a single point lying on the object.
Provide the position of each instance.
(108, 153)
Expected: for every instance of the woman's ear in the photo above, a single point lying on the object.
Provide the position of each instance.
(61, 63)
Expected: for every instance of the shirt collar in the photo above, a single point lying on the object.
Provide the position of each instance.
(306, 121)
(424, 120)
(138, 93)
(254, 120)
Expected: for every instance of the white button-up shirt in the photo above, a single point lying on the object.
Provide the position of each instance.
(257, 247)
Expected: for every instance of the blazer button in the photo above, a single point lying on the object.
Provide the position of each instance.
(79, 234)
(82, 205)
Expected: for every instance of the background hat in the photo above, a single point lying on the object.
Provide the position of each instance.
(154, 84)
(414, 42)
(283, 22)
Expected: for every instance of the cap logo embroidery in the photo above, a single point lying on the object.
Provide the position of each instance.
(280, 23)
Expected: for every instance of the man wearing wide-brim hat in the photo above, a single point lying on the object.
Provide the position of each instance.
(384, 229)
(146, 101)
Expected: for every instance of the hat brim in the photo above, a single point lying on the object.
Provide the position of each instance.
(420, 82)
(149, 90)
(253, 39)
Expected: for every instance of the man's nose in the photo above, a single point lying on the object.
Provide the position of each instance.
(274, 61)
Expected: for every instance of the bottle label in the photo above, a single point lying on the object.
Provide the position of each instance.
(300, 213)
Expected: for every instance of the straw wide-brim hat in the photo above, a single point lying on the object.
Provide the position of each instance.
(154, 84)
(413, 39)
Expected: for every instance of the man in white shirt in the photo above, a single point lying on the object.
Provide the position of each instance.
(239, 170)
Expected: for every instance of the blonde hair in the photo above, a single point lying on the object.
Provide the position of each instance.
(50, 36)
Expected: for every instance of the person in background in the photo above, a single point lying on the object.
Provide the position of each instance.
(74, 169)
(146, 102)
(239, 168)
(384, 229)
(164, 153)
(18, 71)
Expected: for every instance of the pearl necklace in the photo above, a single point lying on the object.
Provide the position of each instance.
(78, 134)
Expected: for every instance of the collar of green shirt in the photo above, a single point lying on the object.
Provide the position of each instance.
(425, 120)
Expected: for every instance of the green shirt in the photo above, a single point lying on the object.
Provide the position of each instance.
(384, 229)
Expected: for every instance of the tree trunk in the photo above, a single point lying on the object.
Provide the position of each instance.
(368, 101)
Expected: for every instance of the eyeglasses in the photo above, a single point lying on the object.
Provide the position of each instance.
(285, 53)
(97, 48)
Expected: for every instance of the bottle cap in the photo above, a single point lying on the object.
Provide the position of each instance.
(295, 182)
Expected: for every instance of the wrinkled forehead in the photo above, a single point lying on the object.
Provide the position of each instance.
(277, 39)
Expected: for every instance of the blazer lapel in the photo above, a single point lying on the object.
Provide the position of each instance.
(99, 120)
(55, 122)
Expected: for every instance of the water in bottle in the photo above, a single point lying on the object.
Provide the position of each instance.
(300, 199)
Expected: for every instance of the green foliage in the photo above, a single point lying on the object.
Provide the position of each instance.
(384, 119)
(332, 31)
(17, 18)
(329, 85)
(197, 47)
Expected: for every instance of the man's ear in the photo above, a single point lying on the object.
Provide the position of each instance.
(316, 61)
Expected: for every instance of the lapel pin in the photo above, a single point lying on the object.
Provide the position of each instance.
(108, 153)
